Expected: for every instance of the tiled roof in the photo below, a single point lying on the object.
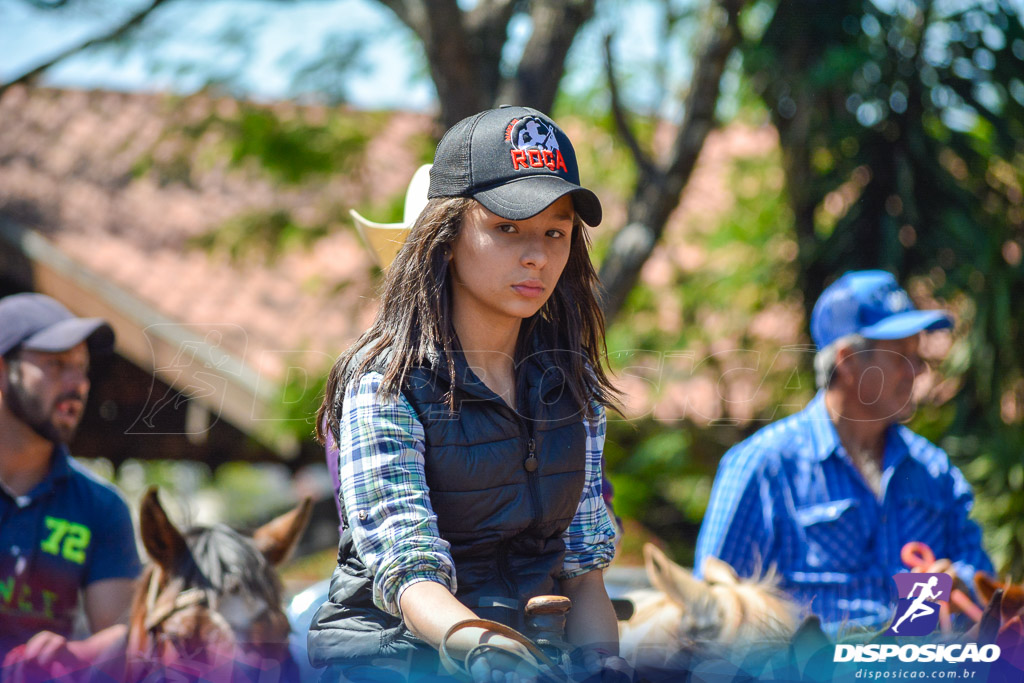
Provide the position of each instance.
(114, 182)
(69, 169)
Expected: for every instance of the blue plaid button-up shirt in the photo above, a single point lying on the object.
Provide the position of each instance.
(789, 497)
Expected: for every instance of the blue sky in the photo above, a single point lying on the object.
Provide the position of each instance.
(287, 33)
(390, 75)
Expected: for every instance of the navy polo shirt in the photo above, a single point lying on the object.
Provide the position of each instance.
(71, 530)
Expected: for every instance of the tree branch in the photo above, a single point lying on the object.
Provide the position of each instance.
(411, 17)
(47, 4)
(653, 202)
(642, 160)
(699, 116)
(540, 70)
(117, 32)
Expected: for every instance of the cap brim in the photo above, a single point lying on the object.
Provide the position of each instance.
(527, 196)
(71, 332)
(907, 324)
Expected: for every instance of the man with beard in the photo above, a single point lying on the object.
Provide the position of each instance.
(63, 530)
(829, 496)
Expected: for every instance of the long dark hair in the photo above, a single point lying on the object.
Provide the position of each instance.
(414, 320)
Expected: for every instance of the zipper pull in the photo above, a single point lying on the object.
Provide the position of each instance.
(531, 463)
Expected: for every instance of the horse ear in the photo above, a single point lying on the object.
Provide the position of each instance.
(809, 638)
(1013, 601)
(679, 585)
(987, 627)
(986, 586)
(277, 538)
(162, 540)
(719, 571)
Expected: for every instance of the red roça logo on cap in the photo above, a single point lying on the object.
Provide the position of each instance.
(534, 145)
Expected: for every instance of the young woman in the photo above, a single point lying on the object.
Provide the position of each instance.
(470, 417)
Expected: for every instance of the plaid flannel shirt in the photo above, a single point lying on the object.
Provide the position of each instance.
(790, 497)
(386, 502)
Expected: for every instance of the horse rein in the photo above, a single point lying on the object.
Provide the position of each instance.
(158, 613)
(546, 669)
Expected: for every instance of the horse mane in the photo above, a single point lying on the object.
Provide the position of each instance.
(685, 614)
(224, 561)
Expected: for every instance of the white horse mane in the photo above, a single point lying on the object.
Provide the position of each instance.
(684, 613)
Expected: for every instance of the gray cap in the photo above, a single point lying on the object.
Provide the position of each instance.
(40, 323)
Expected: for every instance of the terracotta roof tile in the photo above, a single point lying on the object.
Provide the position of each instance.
(69, 168)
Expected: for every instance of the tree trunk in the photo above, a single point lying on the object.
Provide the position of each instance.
(540, 71)
(658, 191)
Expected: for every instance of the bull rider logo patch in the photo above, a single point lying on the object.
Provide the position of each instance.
(534, 145)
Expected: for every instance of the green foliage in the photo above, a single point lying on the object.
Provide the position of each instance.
(291, 149)
(656, 480)
(284, 144)
(290, 145)
(901, 131)
(264, 233)
(662, 470)
(300, 398)
(240, 494)
(289, 152)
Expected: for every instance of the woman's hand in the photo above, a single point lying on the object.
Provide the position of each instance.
(430, 611)
(500, 660)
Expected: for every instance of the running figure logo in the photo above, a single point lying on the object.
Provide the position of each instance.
(917, 613)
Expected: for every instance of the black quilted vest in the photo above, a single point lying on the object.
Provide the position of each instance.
(504, 486)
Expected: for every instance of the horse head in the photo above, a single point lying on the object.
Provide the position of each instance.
(1002, 621)
(210, 599)
(1011, 602)
(684, 613)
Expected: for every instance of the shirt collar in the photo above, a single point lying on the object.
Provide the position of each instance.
(60, 465)
(825, 438)
(60, 468)
(896, 448)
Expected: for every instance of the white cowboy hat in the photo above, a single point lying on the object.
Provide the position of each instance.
(385, 239)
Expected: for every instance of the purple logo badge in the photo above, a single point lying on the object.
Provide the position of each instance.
(917, 613)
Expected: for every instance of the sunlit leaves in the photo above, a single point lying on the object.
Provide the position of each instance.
(923, 103)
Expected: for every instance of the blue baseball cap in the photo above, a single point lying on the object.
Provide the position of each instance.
(870, 303)
(37, 322)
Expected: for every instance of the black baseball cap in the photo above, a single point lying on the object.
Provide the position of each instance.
(40, 323)
(515, 161)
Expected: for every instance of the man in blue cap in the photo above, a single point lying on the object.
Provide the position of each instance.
(63, 530)
(829, 496)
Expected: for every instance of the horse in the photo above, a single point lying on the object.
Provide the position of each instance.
(1002, 621)
(209, 604)
(207, 607)
(682, 613)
